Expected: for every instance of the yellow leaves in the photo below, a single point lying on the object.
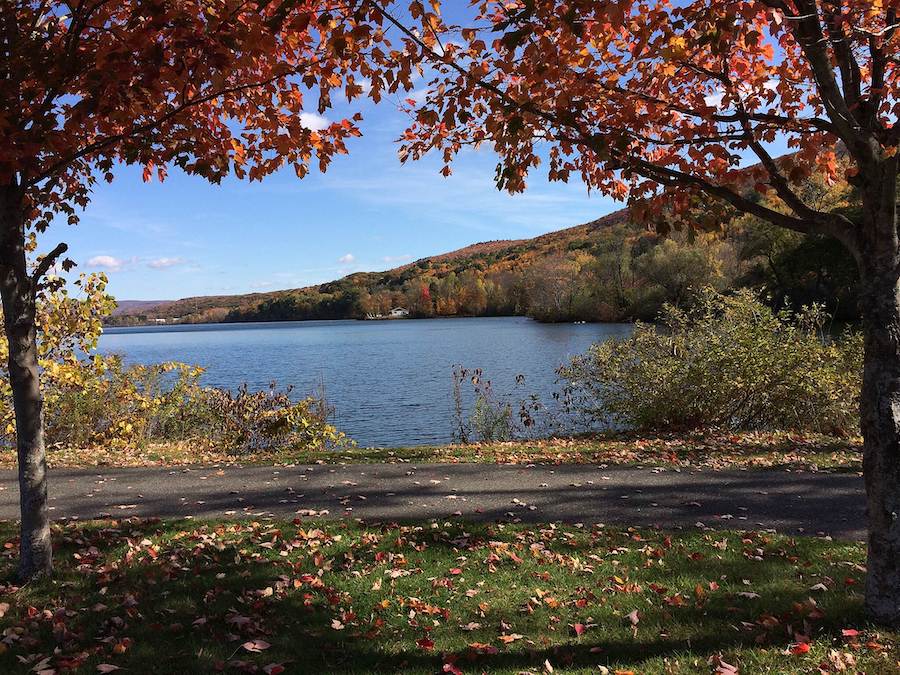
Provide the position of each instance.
(239, 151)
(677, 47)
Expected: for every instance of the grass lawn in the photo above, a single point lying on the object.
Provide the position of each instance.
(707, 450)
(340, 596)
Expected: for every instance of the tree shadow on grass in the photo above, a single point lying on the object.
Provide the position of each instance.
(186, 596)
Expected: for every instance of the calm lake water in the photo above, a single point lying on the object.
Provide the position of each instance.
(390, 382)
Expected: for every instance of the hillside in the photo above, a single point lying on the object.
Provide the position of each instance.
(606, 270)
(494, 256)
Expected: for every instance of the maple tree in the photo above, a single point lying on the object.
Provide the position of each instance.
(208, 86)
(684, 108)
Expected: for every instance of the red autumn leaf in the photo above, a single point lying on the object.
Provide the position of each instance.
(426, 643)
(850, 632)
(800, 648)
(578, 628)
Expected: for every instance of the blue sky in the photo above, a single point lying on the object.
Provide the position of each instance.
(368, 212)
(186, 237)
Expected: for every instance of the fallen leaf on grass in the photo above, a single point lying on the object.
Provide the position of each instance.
(107, 668)
(256, 646)
(482, 648)
(509, 639)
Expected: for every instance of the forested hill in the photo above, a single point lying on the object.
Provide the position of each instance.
(606, 270)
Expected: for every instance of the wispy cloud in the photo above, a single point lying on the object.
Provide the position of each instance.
(347, 259)
(106, 262)
(314, 122)
(165, 263)
(469, 199)
(116, 264)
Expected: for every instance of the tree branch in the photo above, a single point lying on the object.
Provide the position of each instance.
(47, 262)
(879, 62)
(809, 35)
(851, 76)
(138, 130)
(834, 225)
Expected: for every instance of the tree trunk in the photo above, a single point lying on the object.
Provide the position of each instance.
(880, 422)
(18, 295)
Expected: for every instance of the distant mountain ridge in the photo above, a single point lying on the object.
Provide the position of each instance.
(129, 306)
(503, 254)
(608, 269)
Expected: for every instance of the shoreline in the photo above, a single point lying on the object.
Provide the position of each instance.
(107, 326)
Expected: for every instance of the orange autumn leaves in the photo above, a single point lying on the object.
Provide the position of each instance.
(209, 86)
(654, 100)
(644, 99)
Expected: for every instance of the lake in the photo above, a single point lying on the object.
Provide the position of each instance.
(390, 382)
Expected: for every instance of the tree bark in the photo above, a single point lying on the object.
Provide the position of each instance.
(17, 290)
(879, 262)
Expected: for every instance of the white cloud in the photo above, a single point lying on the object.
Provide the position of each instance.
(163, 263)
(107, 262)
(347, 259)
(314, 122)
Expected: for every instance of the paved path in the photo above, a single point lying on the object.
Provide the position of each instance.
(791, 502)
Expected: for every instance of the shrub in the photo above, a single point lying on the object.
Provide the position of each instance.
(484, 418)
(728, 362)
(263, 420)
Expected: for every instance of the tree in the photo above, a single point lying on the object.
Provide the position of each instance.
(680, 105)
(208, 86)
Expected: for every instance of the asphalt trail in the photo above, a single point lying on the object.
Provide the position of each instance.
(792, 502)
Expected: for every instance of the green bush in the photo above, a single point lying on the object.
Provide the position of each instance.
(728, 362)
(480, 417)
